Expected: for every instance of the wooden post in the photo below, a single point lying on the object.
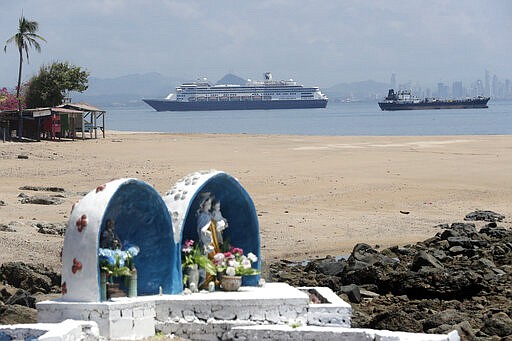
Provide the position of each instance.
(83, 126)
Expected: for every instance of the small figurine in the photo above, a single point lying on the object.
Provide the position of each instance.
(109, 238)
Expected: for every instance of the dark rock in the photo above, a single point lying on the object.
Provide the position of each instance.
(455, 250)
(440, 255)
(50, 228)
(15, 314)
(494, 231)
(41, 188)
(462, 281)
(425, 259)
(396, 320)
(484, 215)
(448, 316)
(7, 228)
(22, 297)
(465, 242)
(332, 267)
(42, 200)
(3, 203)
(33, 278)
(352, 291)
(6, 291)
(498, 324)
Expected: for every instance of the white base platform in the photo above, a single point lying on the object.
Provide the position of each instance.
(202, 313)
(275, 311)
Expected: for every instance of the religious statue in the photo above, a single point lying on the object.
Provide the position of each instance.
(209, 230)
(109, 238)
(221, 223)
(210, 225)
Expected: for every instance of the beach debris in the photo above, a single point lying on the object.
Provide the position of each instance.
(405, 212)
(489, 216)
(22, 156)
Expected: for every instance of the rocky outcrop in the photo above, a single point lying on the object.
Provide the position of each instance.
(460, 279)
(22, 285)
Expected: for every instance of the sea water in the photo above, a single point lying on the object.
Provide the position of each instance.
(342, 119)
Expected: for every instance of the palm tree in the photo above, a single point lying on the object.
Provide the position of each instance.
(25, 38)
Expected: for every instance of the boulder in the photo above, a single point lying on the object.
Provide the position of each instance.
(15, 314)
(42, 200)
(423, 258)
(484, 215)
(396, 320)
(448, 317)
(498, 324)
(33, 278)
(352, 291)
(22, 297)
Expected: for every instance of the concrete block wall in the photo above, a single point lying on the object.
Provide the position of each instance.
(119, 319)
(214, 314)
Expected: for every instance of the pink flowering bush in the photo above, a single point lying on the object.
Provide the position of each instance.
(8, 100)
(235, 263)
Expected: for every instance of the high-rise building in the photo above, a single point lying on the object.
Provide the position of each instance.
(442, 90)
(479, 88)
(393, 81)
(457, 90)
(487, 83)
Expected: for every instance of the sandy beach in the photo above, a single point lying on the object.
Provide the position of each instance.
(315, 196)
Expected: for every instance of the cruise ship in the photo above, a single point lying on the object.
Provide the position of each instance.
(266, 94)
(405, 100)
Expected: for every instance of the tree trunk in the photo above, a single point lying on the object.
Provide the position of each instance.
(20, 112)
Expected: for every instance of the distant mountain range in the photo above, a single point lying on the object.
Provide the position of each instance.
(128, 91)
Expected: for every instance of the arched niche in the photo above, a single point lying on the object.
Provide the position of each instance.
(141, 218)
(236, 205)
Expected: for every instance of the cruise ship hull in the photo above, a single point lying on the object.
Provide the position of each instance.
(172, 105)
(424, 105)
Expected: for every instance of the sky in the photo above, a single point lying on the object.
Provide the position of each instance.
(321, 43)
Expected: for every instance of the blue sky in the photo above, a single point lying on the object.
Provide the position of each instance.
(315, 42)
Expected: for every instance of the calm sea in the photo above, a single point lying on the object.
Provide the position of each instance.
(337, 119)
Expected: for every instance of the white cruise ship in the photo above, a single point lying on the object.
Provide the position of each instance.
(267, 94)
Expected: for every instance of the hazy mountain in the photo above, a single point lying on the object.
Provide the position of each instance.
(231, 79)
(129, 90)
(126, 90)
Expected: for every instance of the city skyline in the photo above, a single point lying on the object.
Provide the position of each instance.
(491, 85)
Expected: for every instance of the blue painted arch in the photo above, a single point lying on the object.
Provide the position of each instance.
(238, 208)
(141, 218)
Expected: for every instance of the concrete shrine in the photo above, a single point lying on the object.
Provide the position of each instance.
(129, 212)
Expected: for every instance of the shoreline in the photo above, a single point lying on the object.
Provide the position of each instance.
(319, 194)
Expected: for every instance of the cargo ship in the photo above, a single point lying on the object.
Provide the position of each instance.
(266, 94)
(404, 100)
